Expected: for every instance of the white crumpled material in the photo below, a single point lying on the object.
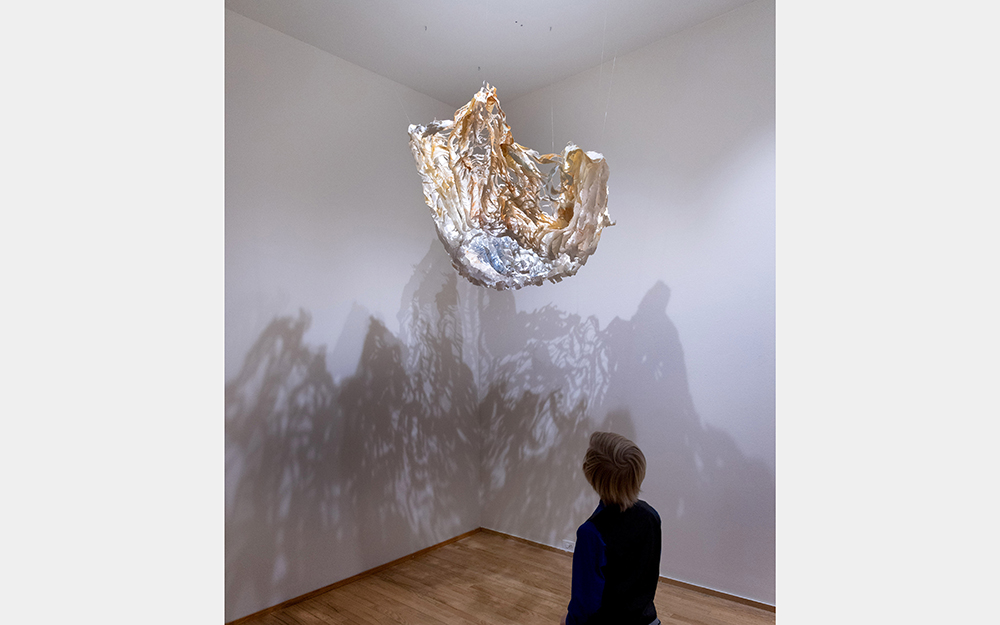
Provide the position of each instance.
(504, 223)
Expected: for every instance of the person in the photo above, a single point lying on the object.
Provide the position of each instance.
(616, 562)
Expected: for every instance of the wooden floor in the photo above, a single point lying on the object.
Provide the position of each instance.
(487, 579)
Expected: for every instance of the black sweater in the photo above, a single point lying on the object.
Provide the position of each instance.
(616, 566)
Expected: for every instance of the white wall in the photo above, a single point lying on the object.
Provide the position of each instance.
(403, 406)
(319, 186)
(689, 139)
(324, 212)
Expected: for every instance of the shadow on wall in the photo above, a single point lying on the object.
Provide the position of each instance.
(569, 378)
(325, 479)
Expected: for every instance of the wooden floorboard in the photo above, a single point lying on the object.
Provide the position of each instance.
(486, 579)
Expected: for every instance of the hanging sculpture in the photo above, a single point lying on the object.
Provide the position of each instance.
(504, 224)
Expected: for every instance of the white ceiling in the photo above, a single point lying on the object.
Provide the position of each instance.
(447, 48)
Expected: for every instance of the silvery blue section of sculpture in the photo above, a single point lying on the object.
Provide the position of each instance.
(505, 223)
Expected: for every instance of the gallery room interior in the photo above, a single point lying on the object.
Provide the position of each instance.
(378, 403)
(241, 365)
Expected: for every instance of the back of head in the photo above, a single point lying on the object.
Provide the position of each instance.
(615, 467)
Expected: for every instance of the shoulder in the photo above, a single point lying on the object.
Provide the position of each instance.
(589, 540)
(647, 510)
(587, 531)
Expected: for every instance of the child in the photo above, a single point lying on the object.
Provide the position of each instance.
(616, 563)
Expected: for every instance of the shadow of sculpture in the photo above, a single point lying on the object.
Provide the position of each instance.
(717, 505)
(475, 414)
(410, 436)
(571, 378)
(281, 482)
(321, 476)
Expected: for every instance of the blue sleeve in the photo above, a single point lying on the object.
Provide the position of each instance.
(588, 575)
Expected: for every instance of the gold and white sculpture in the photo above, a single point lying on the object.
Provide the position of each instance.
(504, 224)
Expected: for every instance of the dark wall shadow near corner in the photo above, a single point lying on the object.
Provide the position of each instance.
(533, 446)
(410, 436)
(324, 480)
(476, 414)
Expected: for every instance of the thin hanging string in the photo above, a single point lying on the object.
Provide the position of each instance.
(484, 25)
(600, 74)
(604, 35)
(611, 82)
(395, 87)
(552, 121)
(400, 100)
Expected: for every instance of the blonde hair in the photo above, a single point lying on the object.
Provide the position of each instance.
(615, 467)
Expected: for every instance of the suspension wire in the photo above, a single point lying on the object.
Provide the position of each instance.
(604, 35)
(395, 87)
(611, 82)
(400, 100)
(600, 74)
(552, 121)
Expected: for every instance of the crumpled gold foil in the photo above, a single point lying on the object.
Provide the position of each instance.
(504, 223)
